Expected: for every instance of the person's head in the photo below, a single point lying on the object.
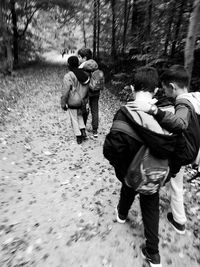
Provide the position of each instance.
(175, 81)
(84, 54)
(146, 79)
(72, 62)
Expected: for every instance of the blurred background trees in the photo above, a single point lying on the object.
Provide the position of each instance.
(121, 33)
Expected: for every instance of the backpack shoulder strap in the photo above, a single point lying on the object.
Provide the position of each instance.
(124, 127)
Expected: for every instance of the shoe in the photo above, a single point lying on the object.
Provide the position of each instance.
(179, 228)
(79, 139)
(120, 218)
(83, 134)
(152, 259)
(95, 134)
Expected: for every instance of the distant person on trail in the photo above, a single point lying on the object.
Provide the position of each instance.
(75, 96)
(63, 52)
(91, 66)
(186, 123)
(129, 132)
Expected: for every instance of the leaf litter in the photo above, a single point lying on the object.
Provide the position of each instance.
(71, 189)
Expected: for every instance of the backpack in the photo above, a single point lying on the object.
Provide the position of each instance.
(146, 173)
(96, 81)
(189, 143)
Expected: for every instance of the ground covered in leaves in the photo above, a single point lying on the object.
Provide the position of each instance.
(57, 198)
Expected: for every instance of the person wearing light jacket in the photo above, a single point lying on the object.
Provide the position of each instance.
(75, 92)
(186, 123)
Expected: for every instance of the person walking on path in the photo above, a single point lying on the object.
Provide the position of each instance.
(75, 97)
(120, 147)
(90, 65)
(185, 122)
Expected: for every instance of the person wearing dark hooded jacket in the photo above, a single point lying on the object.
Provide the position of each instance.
(186, 123)
(75, 97)
(129, 131)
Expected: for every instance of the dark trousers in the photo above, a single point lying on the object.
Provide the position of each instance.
(94, 107)
(150, 214)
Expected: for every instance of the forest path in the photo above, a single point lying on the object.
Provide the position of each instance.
(57, 198)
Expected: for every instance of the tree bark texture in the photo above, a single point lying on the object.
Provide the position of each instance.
(7, 58)
(113, 48)
(178, 25)
(94, 28)
(170, 22)
(98, 27)
(149, 18)
(15, 32)
(191, 37)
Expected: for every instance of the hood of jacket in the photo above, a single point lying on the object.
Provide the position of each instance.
(146, 120)
(89, 65)
(159, 141)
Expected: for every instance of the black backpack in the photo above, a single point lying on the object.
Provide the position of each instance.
(188, 143)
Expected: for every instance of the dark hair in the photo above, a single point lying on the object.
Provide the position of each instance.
(177, 74)
(73, 62)
(85, 52)
(146, 79)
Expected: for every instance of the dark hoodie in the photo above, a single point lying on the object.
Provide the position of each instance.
(121, 146)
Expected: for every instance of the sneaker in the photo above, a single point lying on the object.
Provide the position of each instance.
(152, 259)
(95, 134)
(120, 218)
(179, 228)
(79, 139)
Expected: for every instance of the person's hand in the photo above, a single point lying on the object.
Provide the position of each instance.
(139, 105)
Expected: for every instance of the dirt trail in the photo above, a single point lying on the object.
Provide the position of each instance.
(57, 198)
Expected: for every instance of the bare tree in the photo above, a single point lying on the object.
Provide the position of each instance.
(178, 25)
(83, 29)
(94, 28)
(7, 60)
(191, 37)
(127, 8)
(98, 27)
(113, 48)
(149, 18)
(134, 16)
(171, 12)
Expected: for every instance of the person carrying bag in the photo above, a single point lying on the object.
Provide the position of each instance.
(75, 97)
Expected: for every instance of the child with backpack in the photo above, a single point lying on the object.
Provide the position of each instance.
(95, 86)
(129, 131)
(186, 123)
(75, 96)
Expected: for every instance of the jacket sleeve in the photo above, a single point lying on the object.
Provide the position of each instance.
(67, 84)
(177, 122)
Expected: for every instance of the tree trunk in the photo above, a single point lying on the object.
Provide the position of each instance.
(15, 32)
(94, 28)
(84, 33)
(170, 21)
(191, 37)
(113, 48)
(177, 29)
(98, 27)
(125, 25)
(148, 28)
(134, 17)
(7, 60)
